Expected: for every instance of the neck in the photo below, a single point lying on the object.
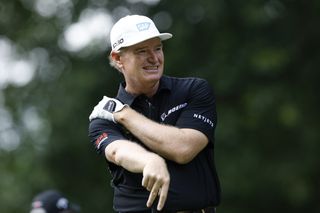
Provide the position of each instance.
(148, 90)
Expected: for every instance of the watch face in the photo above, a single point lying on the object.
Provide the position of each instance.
(38, 210)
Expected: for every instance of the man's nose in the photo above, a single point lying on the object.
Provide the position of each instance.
(152, 56)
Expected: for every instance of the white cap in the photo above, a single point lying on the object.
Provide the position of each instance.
(133, 29)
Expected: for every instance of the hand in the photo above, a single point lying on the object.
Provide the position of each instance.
(105, 109)
(156, 179)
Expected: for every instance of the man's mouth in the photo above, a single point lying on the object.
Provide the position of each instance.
(151, 68)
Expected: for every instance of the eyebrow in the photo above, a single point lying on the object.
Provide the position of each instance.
(144, 47)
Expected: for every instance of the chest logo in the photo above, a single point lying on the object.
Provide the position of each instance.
(173, 109)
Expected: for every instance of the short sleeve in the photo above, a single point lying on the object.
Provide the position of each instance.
(200, 112)
(103, 132)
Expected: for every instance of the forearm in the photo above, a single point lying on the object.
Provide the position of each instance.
(179, 145)
(134, 158)
(129, 155)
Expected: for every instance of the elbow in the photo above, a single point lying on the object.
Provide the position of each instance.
(181, 160)
(111, 154)
(183, 157)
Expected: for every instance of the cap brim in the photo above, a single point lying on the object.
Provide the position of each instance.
(165, 36)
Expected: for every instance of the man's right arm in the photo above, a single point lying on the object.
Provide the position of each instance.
(135, 158)
(107, 139)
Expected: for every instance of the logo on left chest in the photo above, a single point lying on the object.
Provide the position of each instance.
(173, 109)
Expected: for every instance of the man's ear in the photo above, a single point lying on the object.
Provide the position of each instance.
(115, 55)
(116, 58)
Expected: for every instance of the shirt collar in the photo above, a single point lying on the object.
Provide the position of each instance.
(127, 98)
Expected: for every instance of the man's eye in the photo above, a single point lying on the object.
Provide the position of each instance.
(141, 51)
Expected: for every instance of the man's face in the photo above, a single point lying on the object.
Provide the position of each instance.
(142, 64)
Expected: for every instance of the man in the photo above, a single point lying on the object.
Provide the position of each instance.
(52, 201)
(158, 133)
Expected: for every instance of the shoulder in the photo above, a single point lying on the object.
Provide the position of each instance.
(184, 82)
(96, 125)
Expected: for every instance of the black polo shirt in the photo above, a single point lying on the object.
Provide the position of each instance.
(180, 102)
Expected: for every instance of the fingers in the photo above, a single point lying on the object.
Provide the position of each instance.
(153, 193)
(163, 196)
(156, 179)
(152, 196)
(148, 182)
(157, 187)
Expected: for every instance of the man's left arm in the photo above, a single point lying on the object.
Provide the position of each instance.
(181, 143)
(177, 144)
(193, 131)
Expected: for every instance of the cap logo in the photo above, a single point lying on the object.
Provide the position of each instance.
(120, 41)
(143, 26)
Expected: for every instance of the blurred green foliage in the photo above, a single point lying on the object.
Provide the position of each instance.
(261, 57)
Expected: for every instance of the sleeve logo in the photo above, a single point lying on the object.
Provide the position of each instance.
(100, 139)
(204, 119)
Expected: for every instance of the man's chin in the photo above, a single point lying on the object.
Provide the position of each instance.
(153, 75)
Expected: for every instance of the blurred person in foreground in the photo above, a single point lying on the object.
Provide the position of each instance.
(52, 201)
(157, 134)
